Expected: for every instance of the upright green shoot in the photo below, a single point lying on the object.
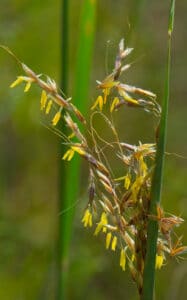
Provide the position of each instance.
(149, 271)
(69, 189)
(84, 53)
(62, 240)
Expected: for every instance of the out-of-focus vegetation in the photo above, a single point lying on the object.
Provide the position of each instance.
(29, 152)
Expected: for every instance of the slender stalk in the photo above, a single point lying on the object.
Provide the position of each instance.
(61, 238)
(69, 178)
(84, 53)
(149, 271)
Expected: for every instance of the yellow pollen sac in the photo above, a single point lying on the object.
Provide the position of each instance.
(27, 87)
(98, 228)
(127, 181)
(48, 108)
(43, 100)
(132, 257)
(19, 80)
(68, 155)
(159, 261)
(87, 218)
(136, 187)
(106, 93)
(90, 220)
(122, 259)
(128, 98)
(114, 103)
(114, 243)
(98, 102)
(71, 135)
(143, 166)
(56, 118)
(78, 150)
(104, 221)
(101, 224)
(108, 239)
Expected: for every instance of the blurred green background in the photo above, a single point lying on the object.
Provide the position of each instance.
(29, 153)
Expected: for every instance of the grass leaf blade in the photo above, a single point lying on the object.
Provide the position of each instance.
(149, 271)
(71, 185)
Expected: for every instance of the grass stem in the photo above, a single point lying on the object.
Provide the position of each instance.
(69, 177)
(62, 241)
(149, 271)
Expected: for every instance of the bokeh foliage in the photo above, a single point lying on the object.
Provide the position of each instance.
(29, 152)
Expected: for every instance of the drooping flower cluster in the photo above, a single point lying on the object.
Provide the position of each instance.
(118, 208)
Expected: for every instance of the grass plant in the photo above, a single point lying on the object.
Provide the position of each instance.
(125, 211)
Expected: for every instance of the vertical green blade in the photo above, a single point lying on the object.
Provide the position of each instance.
(70, 178)
(149, 271)
(84, 54)
(61, 268)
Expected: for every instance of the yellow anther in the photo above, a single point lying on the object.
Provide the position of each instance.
(48, 108)
(68, 155)
(43, 100)
(114, 103)
(127, 181)
(159, 261)
(19, 80)
(122, 259)
(27, 87)
(101, 224)
(78, 150)
(98, 102)
(114, 243)
(87, 218)
(108, 239)
(56, 118)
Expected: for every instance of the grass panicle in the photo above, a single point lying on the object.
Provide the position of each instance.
(118, 207)
(123, 208)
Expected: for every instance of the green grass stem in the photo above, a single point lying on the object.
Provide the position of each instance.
(61, 236)
(149, 271)
(69, 178)
(84, 54)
